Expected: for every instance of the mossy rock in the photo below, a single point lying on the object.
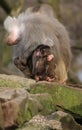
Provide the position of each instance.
(41, 98)
(65, 97)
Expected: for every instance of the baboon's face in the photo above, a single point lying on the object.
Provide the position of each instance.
(13, 38)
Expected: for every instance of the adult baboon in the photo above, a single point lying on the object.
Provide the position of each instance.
(29, 30)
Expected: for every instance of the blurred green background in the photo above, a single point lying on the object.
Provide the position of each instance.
(69, 12)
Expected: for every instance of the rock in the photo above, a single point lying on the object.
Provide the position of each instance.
(57, 121)
(21, 99)
(41, 103)
(67, 98)
(13, 81)
(12, 106)
(18, 106)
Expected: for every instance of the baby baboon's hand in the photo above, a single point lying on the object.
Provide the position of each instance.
(50, 57)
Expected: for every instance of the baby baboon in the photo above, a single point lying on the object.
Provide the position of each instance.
(39, 65)
(28, 31)
(43, 64)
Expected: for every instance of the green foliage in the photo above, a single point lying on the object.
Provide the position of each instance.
(56, 6)
(7, 51)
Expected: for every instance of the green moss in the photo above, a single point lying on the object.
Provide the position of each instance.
(69, 98)
(32, 107)
(43, 88)
(47, 103)
(28, 115)
(9, 83)
(40, 88)
(13, 82)
(24, 113)
(66, 97)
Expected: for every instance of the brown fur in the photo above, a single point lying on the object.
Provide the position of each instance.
(43, 68)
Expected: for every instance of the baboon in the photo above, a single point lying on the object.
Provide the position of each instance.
(29, 30)
(44, 9)
(39, 64)
(43, 64)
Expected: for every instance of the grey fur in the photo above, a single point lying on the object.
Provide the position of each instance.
(40, 28)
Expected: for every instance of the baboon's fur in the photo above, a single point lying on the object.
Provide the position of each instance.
(41, 28)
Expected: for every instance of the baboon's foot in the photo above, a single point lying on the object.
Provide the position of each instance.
(49, 79)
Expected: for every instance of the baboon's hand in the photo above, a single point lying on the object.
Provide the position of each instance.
(19, 64)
